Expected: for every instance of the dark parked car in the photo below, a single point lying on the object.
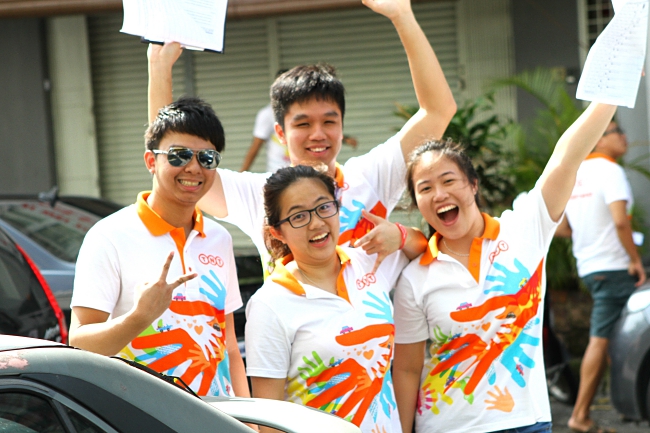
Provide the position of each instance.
(48, 387)
(27, 306)
(630, 353)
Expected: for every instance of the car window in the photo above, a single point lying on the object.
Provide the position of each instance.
(26, 413)
(20, 290)
(59, 229)
(81, 424)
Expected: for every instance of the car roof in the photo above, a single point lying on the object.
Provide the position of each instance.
(67, 369)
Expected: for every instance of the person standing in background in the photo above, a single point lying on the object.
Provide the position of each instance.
(597, 219)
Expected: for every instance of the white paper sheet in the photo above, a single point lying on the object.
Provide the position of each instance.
(613, 68)
(194, 23)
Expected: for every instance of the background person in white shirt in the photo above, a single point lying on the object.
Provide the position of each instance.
(478, 292)
(597, 219)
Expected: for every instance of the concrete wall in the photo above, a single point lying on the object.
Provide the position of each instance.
(26, 160)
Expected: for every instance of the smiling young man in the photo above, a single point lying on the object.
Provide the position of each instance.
(309, 105)
(184, 328)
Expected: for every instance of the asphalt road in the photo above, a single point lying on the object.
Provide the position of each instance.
(602, 412)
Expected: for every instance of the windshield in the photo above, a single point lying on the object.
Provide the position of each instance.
(59, 229)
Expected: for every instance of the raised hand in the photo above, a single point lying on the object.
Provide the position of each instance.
(164, 55)
(382, 240)
(152, 299)
(391, 9)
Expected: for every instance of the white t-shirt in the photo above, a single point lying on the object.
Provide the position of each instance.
(486, 371)
(600, 182)
(129, 248)
(374, 181)
(334, 351)
(277, 155)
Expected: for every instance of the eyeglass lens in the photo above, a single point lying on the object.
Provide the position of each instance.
(179, 157)
(325, 210)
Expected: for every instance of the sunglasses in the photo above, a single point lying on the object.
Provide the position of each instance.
(302, 218)
(181, 156)
(616, 130)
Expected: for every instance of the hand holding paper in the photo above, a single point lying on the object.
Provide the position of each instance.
(614, 65)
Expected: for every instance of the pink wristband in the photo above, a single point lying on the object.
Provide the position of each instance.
(402, 230)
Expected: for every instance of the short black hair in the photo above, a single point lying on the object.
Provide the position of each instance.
(187, 115)
(303, 83)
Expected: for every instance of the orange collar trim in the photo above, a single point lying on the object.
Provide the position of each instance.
(283, 277)
(338, 176)
(491, 231)
(594, 155)
(158, 226)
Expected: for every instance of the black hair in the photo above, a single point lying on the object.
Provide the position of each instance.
(303, 83)
(275, 186)
(187, 115)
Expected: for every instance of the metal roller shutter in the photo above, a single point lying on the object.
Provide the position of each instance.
(119, 71)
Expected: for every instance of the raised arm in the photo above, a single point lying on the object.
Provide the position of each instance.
(161, 60)
(437, 105)
(559, 176)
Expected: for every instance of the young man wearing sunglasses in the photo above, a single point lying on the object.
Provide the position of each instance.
(309, 105)
(123, 305)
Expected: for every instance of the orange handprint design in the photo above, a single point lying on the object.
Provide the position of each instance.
(501, 400)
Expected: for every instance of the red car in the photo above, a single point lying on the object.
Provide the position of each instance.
(27, 305)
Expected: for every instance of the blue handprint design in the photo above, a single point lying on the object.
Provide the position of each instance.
(511, 281)
(381, 305)
(217, 295)
(386, 395)
(350, 217)
(511, 355)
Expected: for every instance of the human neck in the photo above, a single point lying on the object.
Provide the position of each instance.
(460, 247)
(320, 275)
(177, 216)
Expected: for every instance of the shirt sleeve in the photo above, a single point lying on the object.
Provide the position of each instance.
(97, 273)
(264, 123)
(616, 187)
(245, 202)
(233, 295)
(268, 344)
(410, 318)
(531, 218)
(385, 169)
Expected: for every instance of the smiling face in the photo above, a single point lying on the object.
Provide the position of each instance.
(313, 132)
(446, 198)
(179, 186)
(316, 241)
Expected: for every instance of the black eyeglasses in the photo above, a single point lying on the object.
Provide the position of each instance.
(302, 218)
(616, 130)
(181, 156)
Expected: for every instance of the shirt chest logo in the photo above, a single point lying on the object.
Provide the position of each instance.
(211, 260)
(501, 246)
(366, 281)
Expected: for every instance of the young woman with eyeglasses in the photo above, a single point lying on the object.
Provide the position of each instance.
(319, 332)
(477, 293)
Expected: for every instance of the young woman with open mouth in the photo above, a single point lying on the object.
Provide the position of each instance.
(320, 330)
(477, 293)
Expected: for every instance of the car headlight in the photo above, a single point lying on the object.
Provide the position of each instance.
(638, 301)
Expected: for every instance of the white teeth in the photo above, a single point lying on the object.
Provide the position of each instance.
(188, 183)
(318, 149)
(318, 238)
(446, 208)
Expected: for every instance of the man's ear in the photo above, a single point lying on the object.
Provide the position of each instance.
(279, 131)
(150, 161)
(276, 233)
